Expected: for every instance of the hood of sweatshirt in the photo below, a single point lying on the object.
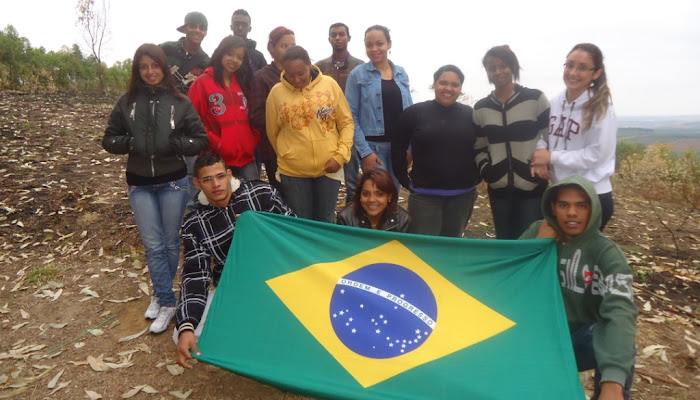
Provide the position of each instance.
(250, 44)
(235, 184)
(596, 210)
(578, 103)
(209, 71)
(315, 78)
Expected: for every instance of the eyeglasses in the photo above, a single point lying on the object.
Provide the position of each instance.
(208, 180)
(579, 68)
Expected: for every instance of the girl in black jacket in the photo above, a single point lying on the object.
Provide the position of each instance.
(376, 204)
(156, 126)
(443, 178)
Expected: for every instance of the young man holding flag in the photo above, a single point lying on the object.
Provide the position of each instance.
(596, 285)
(207, 234)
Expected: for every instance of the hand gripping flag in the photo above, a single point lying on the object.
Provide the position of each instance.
(347, 313)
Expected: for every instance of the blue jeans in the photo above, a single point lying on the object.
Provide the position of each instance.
(158, 211)
(311, 198)
(440, 215)
(383, 151)
(513, 214)
(351, 170)
(582, 340)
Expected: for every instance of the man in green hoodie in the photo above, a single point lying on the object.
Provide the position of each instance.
(596, 285)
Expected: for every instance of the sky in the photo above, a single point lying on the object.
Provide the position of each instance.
(651, 49)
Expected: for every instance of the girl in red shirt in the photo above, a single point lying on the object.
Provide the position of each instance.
(220, 97)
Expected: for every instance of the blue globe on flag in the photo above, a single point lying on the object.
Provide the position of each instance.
(383, 310)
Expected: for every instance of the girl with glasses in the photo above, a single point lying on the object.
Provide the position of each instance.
(582, 127)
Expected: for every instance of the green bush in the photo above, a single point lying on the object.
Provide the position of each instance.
(659, 174)
(28, 69)
(625, 150)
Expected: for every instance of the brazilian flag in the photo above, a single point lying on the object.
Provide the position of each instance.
(346, 313)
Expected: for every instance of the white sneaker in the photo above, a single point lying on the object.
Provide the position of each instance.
(153, 308)
(165, 315)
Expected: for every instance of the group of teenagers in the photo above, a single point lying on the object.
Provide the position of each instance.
(197, 131)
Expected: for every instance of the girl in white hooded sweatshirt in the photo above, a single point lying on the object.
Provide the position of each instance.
(582, 127)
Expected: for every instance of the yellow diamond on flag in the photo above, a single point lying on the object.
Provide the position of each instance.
(385, 311)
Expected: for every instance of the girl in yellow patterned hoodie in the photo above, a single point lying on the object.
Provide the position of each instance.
(310, 127)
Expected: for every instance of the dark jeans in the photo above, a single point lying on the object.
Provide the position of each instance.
(607, 206)
(383, 151)
(258, 163)
(351, 170)
(513, 214)
(271, 171)
(311, 198)
(440, 215)
(248, 172)
(192, 191)
(582, 340)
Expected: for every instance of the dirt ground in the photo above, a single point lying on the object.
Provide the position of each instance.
(74, 285)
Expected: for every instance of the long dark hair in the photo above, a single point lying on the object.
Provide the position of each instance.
(244, 74)
(136, 84)
(601, 98)
(383, 181)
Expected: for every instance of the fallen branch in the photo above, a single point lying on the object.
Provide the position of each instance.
(661, 378)
(675, 307)
(48, 353)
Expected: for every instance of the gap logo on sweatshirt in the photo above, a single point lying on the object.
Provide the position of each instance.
(578, 280)
(572, 127)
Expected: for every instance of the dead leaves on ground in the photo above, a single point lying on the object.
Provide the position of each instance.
(65, 235)
(145, 388)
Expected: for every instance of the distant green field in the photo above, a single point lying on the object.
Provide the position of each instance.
(679, 139)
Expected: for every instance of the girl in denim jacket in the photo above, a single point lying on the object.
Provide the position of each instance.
(377, 93)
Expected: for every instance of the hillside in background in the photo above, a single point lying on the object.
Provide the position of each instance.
(680, 132)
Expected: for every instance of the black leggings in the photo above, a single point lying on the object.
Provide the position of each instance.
(607, 207)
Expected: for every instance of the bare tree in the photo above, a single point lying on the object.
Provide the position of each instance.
(93, 18)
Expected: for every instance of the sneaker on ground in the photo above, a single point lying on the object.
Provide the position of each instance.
(153, 308)
(165, 315)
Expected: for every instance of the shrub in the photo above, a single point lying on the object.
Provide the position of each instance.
(28, 69)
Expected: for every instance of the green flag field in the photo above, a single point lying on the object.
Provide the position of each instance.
(336, 312)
